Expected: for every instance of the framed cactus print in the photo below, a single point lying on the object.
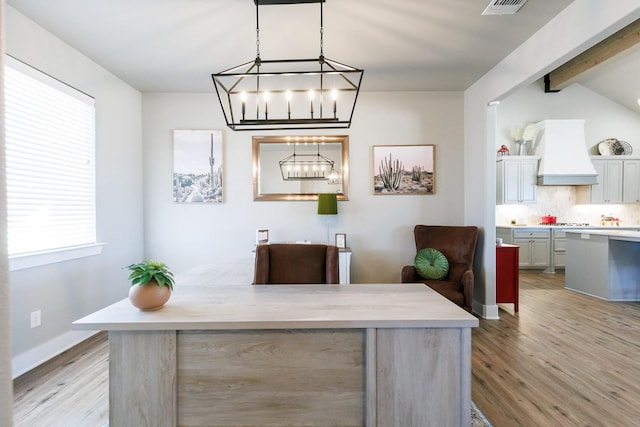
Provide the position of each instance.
(197, 166)
(404, 169)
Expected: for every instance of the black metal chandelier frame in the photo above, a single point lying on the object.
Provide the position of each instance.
(300, 167)
(250, 80)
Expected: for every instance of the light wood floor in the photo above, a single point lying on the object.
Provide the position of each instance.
(71, 390)
(565, 360)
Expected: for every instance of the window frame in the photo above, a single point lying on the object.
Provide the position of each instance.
(30, 259)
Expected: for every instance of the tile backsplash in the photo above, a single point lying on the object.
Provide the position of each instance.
(560, 201)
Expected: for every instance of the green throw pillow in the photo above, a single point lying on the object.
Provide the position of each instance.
(431, 264)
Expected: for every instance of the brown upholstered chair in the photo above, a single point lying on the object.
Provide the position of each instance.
(296, 264)
(458, 244)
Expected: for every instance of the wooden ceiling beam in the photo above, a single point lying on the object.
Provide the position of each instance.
(566, 74)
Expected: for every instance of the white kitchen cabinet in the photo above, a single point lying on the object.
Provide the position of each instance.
(516, 180)
(535, 245)
(506, 234)
(558, 248)
(534, 252)
(618, 182)
(631, 181)
(609, 186)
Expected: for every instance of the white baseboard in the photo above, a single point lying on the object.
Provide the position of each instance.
(28, 360)
(489, 312)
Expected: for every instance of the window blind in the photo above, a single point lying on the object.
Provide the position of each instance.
(50, 139)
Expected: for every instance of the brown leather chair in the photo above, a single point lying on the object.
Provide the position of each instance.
(296, 264)
(458, 244)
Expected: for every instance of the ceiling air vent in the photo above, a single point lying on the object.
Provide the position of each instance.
(503, 7)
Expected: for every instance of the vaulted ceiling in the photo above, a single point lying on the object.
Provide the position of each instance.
(610, 67)
(175, 45)
(617, 78)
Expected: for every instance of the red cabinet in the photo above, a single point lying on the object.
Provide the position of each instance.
(507, 286)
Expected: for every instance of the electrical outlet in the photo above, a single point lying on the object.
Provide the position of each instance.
(36, 318)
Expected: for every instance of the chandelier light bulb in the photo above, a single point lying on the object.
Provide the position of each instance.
(265, 96)
(243, 98)
(334, 96)
(288, 95)
(312, 95)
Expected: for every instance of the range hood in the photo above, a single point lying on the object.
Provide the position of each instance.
(562, 149)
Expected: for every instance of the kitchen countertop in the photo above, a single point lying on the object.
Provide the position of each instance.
(626, 235)
(552, 255)
(581, 227)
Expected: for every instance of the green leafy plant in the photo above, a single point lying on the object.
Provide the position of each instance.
(148, 270)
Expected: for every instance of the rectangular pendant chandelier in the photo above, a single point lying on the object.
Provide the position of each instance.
(316, 93)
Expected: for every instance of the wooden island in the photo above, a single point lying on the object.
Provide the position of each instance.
(289, 355)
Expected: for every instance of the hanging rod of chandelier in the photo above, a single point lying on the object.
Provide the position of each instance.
(280, 94)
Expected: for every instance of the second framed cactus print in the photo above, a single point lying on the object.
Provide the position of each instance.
(404, 169)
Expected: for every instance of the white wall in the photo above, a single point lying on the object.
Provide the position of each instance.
(69, 290)
(582, 24)
(603, 117)
(379, 228)
(6, 386)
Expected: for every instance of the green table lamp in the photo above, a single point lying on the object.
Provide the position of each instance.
(327, 205)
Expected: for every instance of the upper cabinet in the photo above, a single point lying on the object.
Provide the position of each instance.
(516, 179)
(631, 181)
(618, 182)
(609, 186)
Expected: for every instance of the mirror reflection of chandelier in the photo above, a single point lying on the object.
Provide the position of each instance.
(309, 166)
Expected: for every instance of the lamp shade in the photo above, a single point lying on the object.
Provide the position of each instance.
(327, 204)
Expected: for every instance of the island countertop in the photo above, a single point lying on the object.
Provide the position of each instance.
(604, 263)
(626, 235)
(235, 307)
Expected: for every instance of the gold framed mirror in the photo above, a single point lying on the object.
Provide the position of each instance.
(300, 167)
